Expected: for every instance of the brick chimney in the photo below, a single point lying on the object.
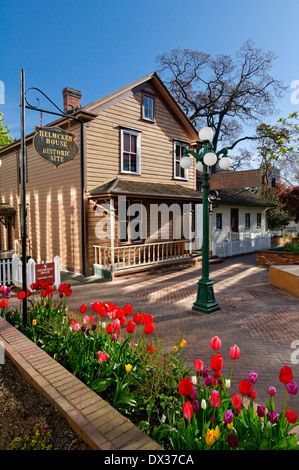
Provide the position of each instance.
(71, 100)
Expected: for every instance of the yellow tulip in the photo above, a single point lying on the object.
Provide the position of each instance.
(182, 344)
(33, 322)
(230, 425)
(212, 435)
(128, 367)
(175, 348)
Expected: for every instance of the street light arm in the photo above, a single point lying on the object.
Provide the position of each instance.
(224, 152)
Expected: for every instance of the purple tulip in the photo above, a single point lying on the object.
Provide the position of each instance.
(193, 393)
(205, 373)
(113, 337)
(232, 441)
(93, 326)
(273, 417)
(272, 391)
(292, 388)
(261, 411)
(253, 377)
(228, 416)
(208, 381)
(195, 406)
(83, 328)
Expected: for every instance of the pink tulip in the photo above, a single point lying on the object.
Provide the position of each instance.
(234, 352)
(75, 326)
(215, 399)
(102, 357)
(86, 319)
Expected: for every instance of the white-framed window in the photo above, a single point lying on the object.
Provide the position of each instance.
(179, 172)
(148, 107)
(130, 141)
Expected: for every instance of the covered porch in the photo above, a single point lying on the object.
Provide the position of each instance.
(142, 226)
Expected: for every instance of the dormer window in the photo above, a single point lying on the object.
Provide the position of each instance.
(148, 107)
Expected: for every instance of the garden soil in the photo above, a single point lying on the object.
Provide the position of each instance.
(22, 407)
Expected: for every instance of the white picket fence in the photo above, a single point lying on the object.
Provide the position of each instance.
(11, 271)
(229, 248)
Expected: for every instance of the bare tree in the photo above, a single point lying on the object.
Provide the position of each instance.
(223, 93)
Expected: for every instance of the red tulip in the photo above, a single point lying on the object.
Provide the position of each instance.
(215, 343)
(151, 349)
(127, 309)
(216, 362)
(286, 375)
(245, 387)
(185, 386)
(234, 352)
(4, 303)
(130, 328)
(109, 329)
(252, 394)
(68, 292)
(236, 401)
(83, 308)
(136, 318)
(21, 295)
(187, 410)
(144, 318)
(291, 416)
(149, 328)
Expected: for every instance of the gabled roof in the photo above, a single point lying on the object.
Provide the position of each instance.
(119, 186)
(239, 197)
(137, 85)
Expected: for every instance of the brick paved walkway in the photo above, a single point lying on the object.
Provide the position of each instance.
(262, 320)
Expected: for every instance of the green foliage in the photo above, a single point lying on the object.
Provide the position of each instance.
(5, 138)
(37, 439)
(292, 247)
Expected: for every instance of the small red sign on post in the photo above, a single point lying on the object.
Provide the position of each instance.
(45, 272)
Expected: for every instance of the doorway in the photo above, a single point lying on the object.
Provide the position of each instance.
(234, 224)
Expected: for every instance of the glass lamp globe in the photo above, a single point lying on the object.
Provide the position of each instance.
(225, 163)
(186, 162)
(210, 159)
(205, 134)
(199, 167)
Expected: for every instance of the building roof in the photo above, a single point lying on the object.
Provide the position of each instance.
(6, 209)
(119, 186)
(239, 197)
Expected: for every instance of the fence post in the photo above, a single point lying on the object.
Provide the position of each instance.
(30, 272)
(15, 269)
(57, 271)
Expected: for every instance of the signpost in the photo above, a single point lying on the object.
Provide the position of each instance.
(236, 179)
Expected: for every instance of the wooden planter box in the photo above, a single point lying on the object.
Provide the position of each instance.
(281, 241)
(286, 278)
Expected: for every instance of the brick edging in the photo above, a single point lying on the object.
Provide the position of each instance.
(96, 422)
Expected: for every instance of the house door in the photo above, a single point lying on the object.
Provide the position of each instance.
(234, 220)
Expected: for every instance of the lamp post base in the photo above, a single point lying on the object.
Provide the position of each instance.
(205, 301)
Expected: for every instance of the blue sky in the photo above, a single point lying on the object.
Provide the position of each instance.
(98, 46)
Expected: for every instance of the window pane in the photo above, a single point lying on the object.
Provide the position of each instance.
(133, 144)
(126, 142)
(133, 163)
(126, 162)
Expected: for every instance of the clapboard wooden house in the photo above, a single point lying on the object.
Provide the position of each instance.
(85, 211)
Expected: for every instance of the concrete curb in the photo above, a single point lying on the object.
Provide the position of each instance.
(96, 422)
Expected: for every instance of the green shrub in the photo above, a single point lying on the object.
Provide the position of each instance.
(292, 247)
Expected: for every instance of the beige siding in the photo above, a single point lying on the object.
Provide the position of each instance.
(157, 143)
(53, 198)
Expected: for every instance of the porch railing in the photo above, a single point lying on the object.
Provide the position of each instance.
(121, 257)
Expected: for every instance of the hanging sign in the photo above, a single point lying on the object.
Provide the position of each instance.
(236, 179)
(55, 145)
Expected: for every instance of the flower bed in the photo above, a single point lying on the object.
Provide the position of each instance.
(112, 350)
